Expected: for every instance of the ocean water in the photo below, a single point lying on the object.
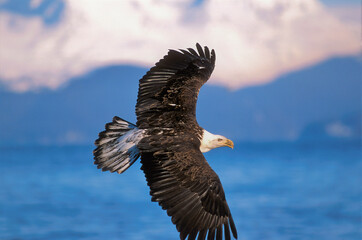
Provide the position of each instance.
(276, 191)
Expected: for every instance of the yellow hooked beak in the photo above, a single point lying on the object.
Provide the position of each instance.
(229, 143)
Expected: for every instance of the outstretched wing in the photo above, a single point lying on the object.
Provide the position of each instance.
(168, 93)
(183, 183)
(179, 177)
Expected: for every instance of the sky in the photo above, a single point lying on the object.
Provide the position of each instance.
(45, 43)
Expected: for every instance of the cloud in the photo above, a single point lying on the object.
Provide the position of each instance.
(255, 40)
(337, 129)
(35, 3)
(349, 15)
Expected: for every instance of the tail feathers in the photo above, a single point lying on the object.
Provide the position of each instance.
(117, 146)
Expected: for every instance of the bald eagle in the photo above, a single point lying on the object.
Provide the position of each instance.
(170, 143)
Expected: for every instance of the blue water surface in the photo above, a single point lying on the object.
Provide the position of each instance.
(274, 190)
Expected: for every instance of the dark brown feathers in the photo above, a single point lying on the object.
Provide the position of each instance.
(184, 184)
(168, 93)
(179, 177)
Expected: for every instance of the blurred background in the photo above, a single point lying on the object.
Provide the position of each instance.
(286, 89)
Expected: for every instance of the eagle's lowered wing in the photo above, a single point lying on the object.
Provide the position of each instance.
(184, 184)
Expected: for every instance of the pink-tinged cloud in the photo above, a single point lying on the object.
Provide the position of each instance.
(255, 40)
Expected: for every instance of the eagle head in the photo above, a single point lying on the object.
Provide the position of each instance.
(210, 141)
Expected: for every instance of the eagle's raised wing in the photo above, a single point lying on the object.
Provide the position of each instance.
(184, 184)
(168, 93)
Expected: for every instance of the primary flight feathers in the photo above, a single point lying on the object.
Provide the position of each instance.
(169, 141)
(179, 76)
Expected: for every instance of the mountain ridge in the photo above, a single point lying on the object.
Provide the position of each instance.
(280, 110)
